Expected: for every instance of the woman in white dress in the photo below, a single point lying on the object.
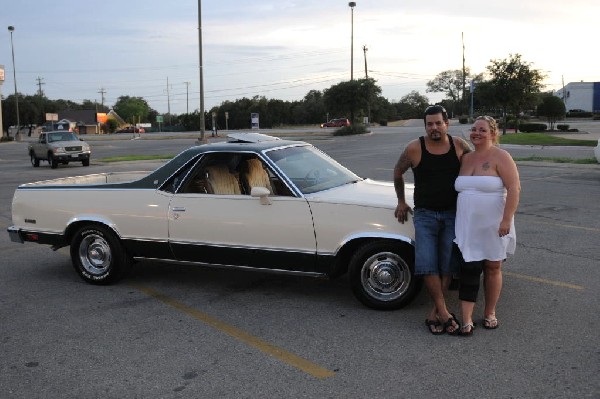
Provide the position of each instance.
(488, 195)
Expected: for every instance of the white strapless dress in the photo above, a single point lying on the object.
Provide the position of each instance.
(479, 212)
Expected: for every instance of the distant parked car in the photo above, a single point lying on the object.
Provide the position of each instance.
(340, 122)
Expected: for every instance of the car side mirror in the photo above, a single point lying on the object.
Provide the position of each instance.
(262, 193)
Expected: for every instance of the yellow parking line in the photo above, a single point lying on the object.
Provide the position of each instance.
(571, 226)
(283, 355)
(544, 281)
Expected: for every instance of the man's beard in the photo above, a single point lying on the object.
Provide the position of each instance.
(435, 136)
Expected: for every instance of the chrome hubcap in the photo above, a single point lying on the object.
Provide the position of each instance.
(385, 276)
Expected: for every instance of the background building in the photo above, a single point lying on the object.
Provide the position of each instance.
(581, 95)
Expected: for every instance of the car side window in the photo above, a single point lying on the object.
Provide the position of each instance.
(232, 174)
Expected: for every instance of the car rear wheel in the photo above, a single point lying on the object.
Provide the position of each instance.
(381, 275)
(98, 256)
(34, 161)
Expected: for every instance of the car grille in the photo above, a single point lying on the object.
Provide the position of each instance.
(77, 148)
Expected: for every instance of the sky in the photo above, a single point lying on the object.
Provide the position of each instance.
(281, 49)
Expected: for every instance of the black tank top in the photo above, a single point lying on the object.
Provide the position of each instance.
(434, 179)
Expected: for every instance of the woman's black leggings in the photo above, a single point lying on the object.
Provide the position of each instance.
(470, 277)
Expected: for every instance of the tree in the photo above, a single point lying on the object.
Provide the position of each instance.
(412, 105)
(129, 107)
(451, 83)
(310, 110)
(516, 85)
(351, 97)
(553, 108)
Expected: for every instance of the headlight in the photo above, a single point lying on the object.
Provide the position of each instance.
(59, 150)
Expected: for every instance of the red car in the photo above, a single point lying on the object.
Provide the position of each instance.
(340, 122)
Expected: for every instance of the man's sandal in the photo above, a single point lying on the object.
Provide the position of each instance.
(432, 324)
(449, 324)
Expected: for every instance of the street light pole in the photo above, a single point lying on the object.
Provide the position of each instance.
(202, 127)
(352, 4)
(11, 29)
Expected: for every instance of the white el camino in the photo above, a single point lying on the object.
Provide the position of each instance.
(255, 202)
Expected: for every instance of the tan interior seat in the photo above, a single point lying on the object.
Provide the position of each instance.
(256, 175)
(221, 181)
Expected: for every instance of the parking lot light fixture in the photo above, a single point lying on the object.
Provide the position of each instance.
(11, 29)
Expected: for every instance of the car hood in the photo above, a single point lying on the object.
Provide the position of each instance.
(365, 192)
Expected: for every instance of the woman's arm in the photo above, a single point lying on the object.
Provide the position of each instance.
(507, 170)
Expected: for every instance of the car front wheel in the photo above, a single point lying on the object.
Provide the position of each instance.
(381, 275)
(52, 161)
(98, 256)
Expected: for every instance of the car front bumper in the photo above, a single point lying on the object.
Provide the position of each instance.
(72, 157)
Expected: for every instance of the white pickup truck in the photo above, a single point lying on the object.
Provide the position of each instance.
(59, 147)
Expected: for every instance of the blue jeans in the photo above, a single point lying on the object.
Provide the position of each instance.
(434, 236)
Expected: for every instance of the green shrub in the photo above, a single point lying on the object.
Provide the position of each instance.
(562, 128)
(573, 130)
(510, 123)
(532, 127)
(6, 138)
(463, 120)
(579, 114)
(383, 122)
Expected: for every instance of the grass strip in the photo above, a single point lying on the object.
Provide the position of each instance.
(582, 161)
(543, 139)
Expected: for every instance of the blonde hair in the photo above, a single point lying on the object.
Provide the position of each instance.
(493, 126)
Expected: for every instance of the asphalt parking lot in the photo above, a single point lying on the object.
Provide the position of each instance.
(183, 332)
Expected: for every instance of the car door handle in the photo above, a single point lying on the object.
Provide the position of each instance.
(178, 209)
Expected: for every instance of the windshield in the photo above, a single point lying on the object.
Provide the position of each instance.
(310, 170)
(62, 136)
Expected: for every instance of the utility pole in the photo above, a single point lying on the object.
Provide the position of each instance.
(464, 73)
(40, 83)
(102, 91)
(564, 95)
(369, 88)
(187, 97)
(201, 71)
(40, 94)
(365, 49)
(168, 101)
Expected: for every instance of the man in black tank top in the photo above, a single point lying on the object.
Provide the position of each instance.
(435, 162)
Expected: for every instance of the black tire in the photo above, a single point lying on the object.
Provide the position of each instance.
(85, 162)
(34, 161)
(52, 161)
(382, 275)
(98, 256)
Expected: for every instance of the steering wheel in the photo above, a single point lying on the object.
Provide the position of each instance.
(316, 176)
